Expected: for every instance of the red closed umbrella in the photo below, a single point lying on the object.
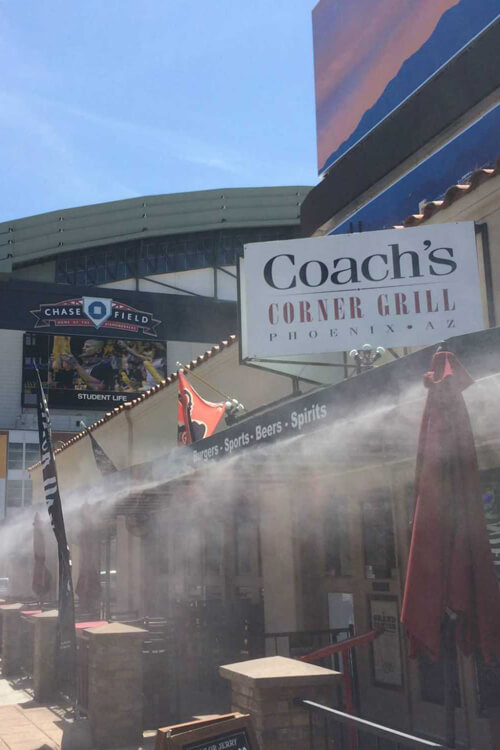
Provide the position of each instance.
(41, 575)
(88, 587)
(450, 568)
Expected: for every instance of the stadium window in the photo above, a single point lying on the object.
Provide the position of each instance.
(28, 492)
(160, 255)
(131, 255)
(151, 261)
(14, 493)
(32, 454)
(15, 458)
(121, 264)
(81, 274)
(162, 258)
(100, 269)
(91, 270)
(111, 265)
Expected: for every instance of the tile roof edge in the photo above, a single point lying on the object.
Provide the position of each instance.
(453, 193)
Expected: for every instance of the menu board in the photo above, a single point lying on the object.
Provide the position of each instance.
(226, 732)
(386, 650)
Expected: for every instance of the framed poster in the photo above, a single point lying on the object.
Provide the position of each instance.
(233, 731)
(386, 650)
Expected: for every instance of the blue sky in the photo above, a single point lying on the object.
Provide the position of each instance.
(109, 99)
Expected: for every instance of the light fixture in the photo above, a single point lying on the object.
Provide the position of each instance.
(366, 357)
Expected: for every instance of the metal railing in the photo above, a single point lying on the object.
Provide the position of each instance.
(298, 643)
(330, 728)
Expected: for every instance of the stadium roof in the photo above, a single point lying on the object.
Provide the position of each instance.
(45, 235)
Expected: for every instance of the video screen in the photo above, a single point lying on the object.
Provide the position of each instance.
(81, 372)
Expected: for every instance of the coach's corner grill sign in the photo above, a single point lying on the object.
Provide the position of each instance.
(395, 287)
(95, 312)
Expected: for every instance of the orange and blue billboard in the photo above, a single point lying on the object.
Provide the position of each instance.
(371, 55)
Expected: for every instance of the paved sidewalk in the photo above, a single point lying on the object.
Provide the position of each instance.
(29, 727)
(12, 693)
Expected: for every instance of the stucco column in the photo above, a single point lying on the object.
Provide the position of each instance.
(11, 639)
(268, 688)
(280, 569)
(44, 655)
(115, 685)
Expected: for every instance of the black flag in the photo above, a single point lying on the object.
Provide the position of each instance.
(103, 461)
(66, 637)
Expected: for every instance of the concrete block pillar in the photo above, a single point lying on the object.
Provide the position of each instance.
(267, 689)
(115, 685)
(44, 655)
(281, 571)
(11, 639)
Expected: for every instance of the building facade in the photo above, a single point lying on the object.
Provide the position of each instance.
(172, 255)
(304, 525)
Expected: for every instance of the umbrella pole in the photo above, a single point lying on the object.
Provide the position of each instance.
(448, 647)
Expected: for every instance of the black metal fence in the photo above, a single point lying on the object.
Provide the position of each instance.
(182, 656)
(82, 671)
(26, 637)
(330, 729)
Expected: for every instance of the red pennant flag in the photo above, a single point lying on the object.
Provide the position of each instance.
(197, 418)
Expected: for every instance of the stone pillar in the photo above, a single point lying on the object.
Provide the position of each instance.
(280, 572)
(44, 655)
(267, 689)
(115, 685)
(11, 639)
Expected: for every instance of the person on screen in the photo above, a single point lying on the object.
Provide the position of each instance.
(141, 368)
(93, 370)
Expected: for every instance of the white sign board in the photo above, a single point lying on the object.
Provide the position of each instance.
(396, 287)
(386, 649)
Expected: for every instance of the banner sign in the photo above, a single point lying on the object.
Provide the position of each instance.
(90, 373)
(356, 91)
(99, 312)
(103, 461)
(294, 418)
(66, 638)
(411, 287)
(96, 312)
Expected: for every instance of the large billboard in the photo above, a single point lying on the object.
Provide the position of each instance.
(475, 147)
(371, 55)
(391, 288)
(80, 372)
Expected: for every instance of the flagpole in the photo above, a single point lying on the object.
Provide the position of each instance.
(233, 405)
(66, 634)
(183, 367)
